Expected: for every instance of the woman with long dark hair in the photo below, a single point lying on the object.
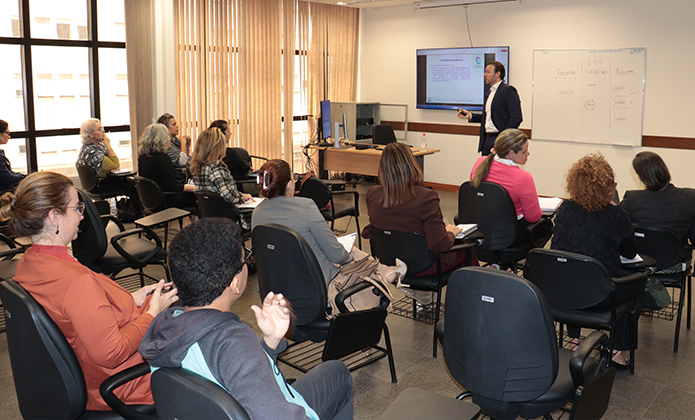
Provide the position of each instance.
(660, 204)
(401, 203)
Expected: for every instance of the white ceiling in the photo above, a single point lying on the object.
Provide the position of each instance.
(373, 4)
(369, 4)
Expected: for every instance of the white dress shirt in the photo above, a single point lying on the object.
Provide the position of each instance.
(489, 126)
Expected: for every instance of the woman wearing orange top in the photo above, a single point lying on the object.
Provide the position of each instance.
(103, 322)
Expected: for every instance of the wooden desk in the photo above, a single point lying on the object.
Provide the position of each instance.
(362, 162)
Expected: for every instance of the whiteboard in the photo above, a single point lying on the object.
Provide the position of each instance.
(589, 96)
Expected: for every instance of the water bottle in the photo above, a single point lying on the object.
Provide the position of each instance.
(423, 143)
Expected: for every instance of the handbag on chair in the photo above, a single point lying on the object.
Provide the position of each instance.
(355, 272)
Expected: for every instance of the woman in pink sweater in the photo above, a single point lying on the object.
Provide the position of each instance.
(502, 167)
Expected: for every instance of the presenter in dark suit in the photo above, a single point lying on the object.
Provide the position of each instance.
(502, 108)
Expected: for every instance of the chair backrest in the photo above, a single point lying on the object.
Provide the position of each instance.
(387, 245)
(315, 189)
(181, 394)
(491, 208)
(88, 179)
(500, 339)
(48, 378)
(383, 134)
(663, 245)
(243, 155)
(151, 196)
(211, 204)
(286, 264)
(92, 242)
(568, 280)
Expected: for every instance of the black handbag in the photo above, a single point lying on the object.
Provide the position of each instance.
(656, 296)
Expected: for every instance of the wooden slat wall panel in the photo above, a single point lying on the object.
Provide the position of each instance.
(230, 65)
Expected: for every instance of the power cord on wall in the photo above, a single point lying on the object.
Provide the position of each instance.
(465, 6)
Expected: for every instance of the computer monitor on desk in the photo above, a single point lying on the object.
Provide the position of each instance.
(383, 134)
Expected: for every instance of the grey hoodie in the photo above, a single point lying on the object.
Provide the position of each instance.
(236, 357)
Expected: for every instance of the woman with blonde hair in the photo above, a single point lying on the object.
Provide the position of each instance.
(400, 202)
(96, 151)
(210, 174)
(501, 166)
(102, 321)
(590, 223)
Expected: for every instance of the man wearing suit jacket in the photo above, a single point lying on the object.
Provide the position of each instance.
(502, 108)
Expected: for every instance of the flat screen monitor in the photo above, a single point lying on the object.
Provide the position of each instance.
(452, 78)
(326, 119)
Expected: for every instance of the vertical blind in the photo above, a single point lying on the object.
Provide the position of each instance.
(243, 61)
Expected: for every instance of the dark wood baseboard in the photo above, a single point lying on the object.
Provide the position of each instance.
(442, 187)
(687, 143)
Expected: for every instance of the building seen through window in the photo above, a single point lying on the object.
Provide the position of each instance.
(59, 77)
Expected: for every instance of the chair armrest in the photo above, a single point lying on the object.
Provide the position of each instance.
(472, 244)
(439, 331)
(110, 385)
(106, 218)
(642, 275)
(597, 340)
(355, 194)
(346, 293)
(540, 232)
(8, 241)
(10, 253)
(258, 157)
(149, 234)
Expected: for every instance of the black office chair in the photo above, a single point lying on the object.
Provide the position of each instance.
(92, 184)
(183, 395)
(48, 378)
(111, 255)
(286, 264)
(318, 191)
(674, 266)
(582, 294)
(412, 249)
(490, 207)
(246, 157)
(383, 134)
(211, 204)
(9, 257)
(500, 345)
(247, 184)
(153, 199)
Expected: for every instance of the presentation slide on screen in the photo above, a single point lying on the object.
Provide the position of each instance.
(448, 78)
(455, 78)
